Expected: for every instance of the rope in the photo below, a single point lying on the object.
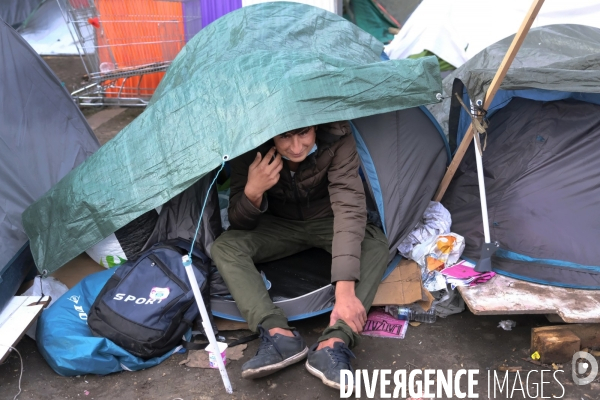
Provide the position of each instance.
(225, 158)
(20, 376)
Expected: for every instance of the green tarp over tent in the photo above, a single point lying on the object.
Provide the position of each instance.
(253, 74)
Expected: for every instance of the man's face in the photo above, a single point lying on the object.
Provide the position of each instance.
(296, 146)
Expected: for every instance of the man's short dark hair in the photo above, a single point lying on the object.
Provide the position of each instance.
(297, 131)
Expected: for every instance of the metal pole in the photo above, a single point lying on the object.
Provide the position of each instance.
(482, 196)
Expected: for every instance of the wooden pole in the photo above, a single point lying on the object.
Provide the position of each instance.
(489, 96)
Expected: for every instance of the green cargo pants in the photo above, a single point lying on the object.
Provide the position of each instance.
(235, 252)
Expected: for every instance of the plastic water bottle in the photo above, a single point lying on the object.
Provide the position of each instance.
(415, 313)
(420, 315)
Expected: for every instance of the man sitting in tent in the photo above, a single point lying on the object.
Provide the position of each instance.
(303, 192)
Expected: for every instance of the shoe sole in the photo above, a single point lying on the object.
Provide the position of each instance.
(270, 369)
(320, 375)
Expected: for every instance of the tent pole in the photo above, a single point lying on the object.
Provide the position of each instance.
(208, 330)
(484, 264)
(482, 195)
(491, 92)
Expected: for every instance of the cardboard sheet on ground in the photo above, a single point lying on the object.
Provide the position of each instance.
(228, 325)
(199, 358)
(403, 286)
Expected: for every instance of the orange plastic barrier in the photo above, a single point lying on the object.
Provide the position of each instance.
(136, 33)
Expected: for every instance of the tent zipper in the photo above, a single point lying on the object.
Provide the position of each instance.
(169, 273)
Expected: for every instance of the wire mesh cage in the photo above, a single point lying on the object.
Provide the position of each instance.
(127, 45)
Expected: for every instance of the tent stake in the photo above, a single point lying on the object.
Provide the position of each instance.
(491, 92)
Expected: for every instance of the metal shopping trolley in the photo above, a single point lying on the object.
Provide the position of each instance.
(127, 45)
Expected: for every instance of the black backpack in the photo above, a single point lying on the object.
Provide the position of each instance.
(147, 305)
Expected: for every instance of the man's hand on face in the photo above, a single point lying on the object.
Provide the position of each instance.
(348, 307)
(262, 176)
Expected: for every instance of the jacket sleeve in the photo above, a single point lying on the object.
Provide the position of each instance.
(348, 202)
(243, 215)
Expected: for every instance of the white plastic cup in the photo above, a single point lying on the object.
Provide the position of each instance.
(212, 357)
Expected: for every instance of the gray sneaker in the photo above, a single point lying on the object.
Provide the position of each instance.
(274, 353)
(328, 363)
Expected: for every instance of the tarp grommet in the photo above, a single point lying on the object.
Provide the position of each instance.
(225, 157)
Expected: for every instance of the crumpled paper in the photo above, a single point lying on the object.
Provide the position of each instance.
(199, 358)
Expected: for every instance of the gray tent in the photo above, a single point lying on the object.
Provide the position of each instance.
(541, 160)
(14, 12)
(43, 136)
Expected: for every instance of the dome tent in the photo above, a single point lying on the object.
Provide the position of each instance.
(541, 158)
(43, 136)
(245, 78)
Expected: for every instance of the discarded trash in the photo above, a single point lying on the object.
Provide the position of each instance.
(86, 392)
(436, 221)
(433, 280)
(464, 274)
(212, 354)
(556, 367)
(414, 323)
(535, 356)
(507, 324)
(381, 324)
(416, 313)
(438, 251)
(447, 302)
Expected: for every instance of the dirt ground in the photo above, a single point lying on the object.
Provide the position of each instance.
(462, 341)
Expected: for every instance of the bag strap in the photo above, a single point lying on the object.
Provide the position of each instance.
(454, 116)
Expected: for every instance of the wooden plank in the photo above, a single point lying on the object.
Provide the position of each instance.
(555, 319)
(491, 92)
(503, 295)
(588, 333)
(16, 318)
(555, 346)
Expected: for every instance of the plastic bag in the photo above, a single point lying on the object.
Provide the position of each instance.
(108, 252)
(436, 254)
(436, 221)
(445, 251)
